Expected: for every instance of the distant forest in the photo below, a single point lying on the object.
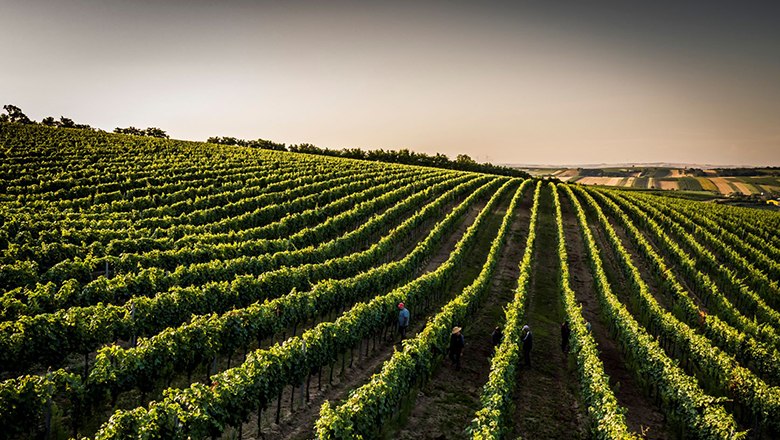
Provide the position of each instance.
(404, 156)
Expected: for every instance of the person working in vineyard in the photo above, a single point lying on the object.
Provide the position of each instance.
(565, 332)
(496, 336)
(403, 320)
(457, 342)
(528, 342)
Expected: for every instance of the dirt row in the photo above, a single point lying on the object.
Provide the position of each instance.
(643, 415)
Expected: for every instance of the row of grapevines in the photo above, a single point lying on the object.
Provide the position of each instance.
(701, 266)
(47, 298)
(169, 189)
(24, 272)
(48, 337)
(91, 202)
(153, 280)
(33, 160)
(758, 356)
(364, 412)
(699, 414)
(175, 198)
(200, 410)
(208, 193)
(607, 417)
(265, 208)
(192, 220)
(733, 228)
(760, 222)
(246, 210)
(492, 420)
(30, 150)
(723, 243)
(183, 348)
(725, 374)
(69, 189)
(81, 269)
(124, 243)
(754, 235)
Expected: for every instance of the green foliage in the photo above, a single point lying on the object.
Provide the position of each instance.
(15, 114)
(368, 406)
(200, 411)
(492, 420)
(685, 401)
(151, 257)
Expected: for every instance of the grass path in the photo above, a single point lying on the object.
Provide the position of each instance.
(547, 404)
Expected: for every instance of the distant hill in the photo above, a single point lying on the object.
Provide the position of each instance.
(629, 165)
(761, 183)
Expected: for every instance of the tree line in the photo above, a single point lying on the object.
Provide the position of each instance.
(15, 114)
(462, 162)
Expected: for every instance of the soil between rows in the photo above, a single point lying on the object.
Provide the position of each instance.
(643, 416)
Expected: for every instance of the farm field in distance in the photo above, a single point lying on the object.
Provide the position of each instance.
(155, 288)
(759, 182)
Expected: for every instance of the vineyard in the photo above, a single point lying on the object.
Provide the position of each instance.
(153, 288)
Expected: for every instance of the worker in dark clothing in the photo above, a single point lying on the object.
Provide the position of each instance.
(403, 320)
(496, 337)
(565, 332)
(528, 342)
(456, 346)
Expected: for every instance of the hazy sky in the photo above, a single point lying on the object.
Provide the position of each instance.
(528, 82)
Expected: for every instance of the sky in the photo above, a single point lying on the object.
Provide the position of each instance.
(506, 82)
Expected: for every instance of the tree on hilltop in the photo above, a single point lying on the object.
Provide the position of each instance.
(129, 130)
(15, 114)
(151, 132)
(156, 132)
(465, 159)
(66, 122)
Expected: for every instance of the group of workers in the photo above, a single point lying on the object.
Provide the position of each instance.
(458, 342)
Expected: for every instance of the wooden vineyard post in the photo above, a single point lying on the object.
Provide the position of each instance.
(260, 421)
(279, 406)
(308, 384)
(292, 397)
(47, 416)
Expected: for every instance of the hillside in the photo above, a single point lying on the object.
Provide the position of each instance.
(155, 288)
(759, 182)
